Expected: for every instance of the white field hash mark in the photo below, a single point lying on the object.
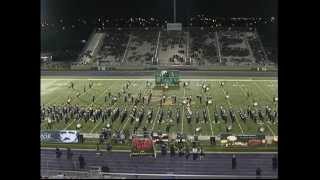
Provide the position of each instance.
(210, 121)
(58, 97)
(87, 107)
(125, 124)
(236, 117)
(269, 100)
(98, 124)
(263, 123)
(155, 119)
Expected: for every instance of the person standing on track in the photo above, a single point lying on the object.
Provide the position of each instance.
(258, 172)
(234, 162)
(69, 154)
(274, 162)
(58, 153)
(81, 161)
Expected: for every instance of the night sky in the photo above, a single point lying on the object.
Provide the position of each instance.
(157, 8)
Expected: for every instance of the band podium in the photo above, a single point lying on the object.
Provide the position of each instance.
(167, 79)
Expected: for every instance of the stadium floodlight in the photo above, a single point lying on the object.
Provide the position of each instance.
(174, 11)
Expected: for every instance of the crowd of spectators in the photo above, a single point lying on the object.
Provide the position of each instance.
(142, 46)
(200, 48)
(114, 45)
(117, 39)
(172, 45)
(256, 50)
(202, 20)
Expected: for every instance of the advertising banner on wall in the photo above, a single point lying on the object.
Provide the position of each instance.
(63, 136)
(142, 146)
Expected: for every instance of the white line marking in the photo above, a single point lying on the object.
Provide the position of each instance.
(235, 117)
(125, 124)
(87, 107)
(263, 92)
(210, 121)
(260, 89)
(190, 175)
(172, 175)
(182, 119)
(155, 119)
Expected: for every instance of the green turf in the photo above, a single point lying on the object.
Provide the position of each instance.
(56, 91)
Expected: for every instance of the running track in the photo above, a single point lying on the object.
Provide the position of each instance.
(216, 164)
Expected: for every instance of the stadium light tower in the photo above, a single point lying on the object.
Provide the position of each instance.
(174, 11)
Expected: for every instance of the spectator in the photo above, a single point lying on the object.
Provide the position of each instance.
(172, 151)
(81, 162)
(98, 153)
(258, 172)
(201, 153)
(69, 154)
(58, 153)
(109, 147)
(163, 149)
(274, 162)
(234, 162)
(187, 152)
(195, 153)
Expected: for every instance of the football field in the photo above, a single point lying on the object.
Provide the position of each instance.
(235, 95)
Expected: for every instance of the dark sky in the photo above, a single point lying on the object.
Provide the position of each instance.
(157, 8)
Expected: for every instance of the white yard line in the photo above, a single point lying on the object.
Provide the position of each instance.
(184, 95)
(95, 126)
(236, 117)
(270, 129)
(155, 119)
(263, 123)
(87, 107)
(241, 89)
(263, 92)
(74, 119)
(182, 119)
(210, 122)
(125, 124)
(101, 121)
(260, 89)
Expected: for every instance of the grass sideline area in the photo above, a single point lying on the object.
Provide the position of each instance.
(207, 148)
(152, 77)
